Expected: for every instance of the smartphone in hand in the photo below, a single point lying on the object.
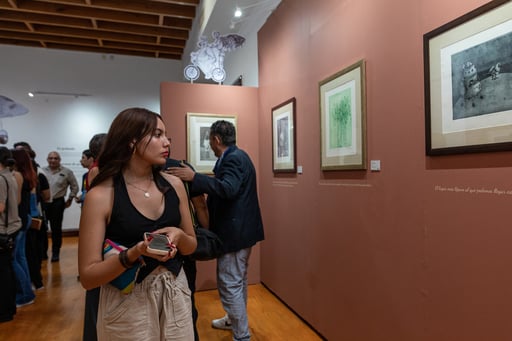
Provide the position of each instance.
(159, 244)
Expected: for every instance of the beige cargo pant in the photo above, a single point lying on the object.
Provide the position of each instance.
(159, 308)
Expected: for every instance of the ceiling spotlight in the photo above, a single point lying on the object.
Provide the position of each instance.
(238, 12)
(50, 93)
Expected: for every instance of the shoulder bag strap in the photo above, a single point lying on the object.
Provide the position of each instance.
(192, 212)
(6, 204)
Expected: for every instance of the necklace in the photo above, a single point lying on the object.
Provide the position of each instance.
(146, 193)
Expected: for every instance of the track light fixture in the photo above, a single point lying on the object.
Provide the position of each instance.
(49, 93)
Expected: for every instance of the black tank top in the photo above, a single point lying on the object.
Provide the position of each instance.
(127, 225)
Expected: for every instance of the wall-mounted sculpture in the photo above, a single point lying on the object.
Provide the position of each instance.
(9, 108)
(209, 57)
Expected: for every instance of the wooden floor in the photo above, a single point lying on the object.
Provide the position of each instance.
(57, 313)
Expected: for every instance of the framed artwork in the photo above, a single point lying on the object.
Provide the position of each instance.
(283, 137)
(468, 82)
(343, 119)
(199, 153)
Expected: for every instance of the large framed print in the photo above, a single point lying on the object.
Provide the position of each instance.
(343, 119)
(283, 137)
(199, 153)
(468, 82)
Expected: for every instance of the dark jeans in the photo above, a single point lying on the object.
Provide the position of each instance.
(190, 269)
(43, 236)
(7, 287)
(55, 214)
(92, 300)
(34, 252)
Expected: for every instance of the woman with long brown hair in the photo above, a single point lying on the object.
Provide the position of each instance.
(129, 197)
(23, 166)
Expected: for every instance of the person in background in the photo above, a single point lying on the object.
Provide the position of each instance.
(43, 196)
(33, 244)
(92, 296)
(129, 197)
(27, 181)
(86, 161)
(199, 211)
(95, 146)
(10, 223)
(234, 216)
(60, 179)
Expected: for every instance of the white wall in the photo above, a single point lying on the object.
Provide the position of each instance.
(65, 123)
(243, 61)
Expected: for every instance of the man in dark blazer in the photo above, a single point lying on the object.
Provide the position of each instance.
(235, 217)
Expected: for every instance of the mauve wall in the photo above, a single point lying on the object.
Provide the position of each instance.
(383, 255)
(178, 99)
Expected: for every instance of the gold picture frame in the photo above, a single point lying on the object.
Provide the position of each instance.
(343, 119)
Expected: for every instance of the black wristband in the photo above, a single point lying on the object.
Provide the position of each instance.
(123, 258)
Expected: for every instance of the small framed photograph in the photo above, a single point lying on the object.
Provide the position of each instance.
(468, 82)
(199, 153)
(343, 119)
(283, 137)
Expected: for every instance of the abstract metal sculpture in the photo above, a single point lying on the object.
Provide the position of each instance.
(209, 57)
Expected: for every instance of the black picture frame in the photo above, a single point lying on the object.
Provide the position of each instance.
(284, 137)
(468, 77)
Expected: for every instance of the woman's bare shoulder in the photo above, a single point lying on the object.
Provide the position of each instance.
(101, 190)
(173, 180)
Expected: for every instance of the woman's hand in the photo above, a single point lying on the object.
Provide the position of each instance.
(143, 247)
(174, 234)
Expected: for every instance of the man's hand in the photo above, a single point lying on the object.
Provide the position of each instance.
(68, 202)
(184, 173)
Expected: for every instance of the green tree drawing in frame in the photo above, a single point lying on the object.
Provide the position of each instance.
(340, 119)
(342, 99)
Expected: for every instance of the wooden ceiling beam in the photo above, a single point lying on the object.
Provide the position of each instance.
(42, 37)
(138, 6)
(155, 27)
(149, 7)
(45, 18)
(87, 12)
(147, 30)
(17, 42)
(141, 47)
(24, 34)
(112, 51)
(98, 34)
(59, 21)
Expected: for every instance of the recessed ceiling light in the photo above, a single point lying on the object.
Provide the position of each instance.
(238, 12)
